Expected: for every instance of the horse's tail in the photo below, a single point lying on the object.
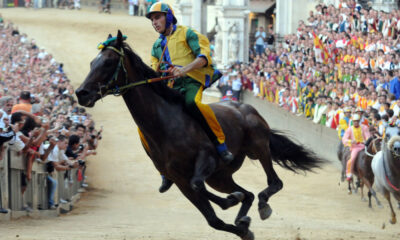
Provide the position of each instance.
(290, 155)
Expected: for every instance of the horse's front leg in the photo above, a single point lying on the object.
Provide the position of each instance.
(202, 203)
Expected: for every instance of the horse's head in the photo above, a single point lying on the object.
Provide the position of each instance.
(107, 72)
(394, 145)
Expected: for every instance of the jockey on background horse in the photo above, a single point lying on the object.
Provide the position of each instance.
(354, 137)
(185, 54)
(344, 122)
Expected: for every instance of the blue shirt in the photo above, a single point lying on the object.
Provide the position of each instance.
(395, 87)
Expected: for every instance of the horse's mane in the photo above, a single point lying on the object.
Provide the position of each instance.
(145, 72)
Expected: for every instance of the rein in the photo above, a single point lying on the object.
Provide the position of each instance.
(118, 91)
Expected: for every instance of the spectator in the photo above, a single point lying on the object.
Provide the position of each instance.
(271, 38)
(133, 7)
(260, 41)
(142, 8)
(57, 160)
(236, 85)
(24, 103)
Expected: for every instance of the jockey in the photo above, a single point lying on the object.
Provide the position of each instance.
(355, 137)
(185, 53)
(344, 123)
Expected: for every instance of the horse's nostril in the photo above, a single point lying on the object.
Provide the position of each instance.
(81, 92)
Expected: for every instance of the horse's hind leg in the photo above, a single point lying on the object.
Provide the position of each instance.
(274, 185)
(387, 196)
(204, 206)
(225, 183)
(205, 165)
(372, 193)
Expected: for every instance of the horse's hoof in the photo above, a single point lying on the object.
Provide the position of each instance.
(363, 199)
(379, 205)
(265, 212)
(393, 220)
(349, 192)
(355, 191)
(249, 236)
(239, 196)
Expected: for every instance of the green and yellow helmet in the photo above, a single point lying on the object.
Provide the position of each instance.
(164, 8)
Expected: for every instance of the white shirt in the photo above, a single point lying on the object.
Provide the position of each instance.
(57, 155)
(16, 144)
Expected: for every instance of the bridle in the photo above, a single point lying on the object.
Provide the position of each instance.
(121, 90)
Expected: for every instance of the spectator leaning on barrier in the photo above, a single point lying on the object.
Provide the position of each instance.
(57, 160)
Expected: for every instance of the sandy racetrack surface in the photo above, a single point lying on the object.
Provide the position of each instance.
(124, 202)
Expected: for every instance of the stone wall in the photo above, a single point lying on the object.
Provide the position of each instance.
(324, 141)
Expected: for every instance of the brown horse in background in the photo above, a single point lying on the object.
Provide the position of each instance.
(363, 170)
(343, 154)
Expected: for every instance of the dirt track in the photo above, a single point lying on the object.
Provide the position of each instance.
(125, 203)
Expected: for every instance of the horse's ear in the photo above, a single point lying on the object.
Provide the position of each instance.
(109, 36)
(119, 38)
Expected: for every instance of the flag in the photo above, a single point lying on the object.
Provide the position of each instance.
(321, 49)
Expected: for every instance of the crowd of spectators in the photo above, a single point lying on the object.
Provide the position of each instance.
(342, 57)
(39, 116)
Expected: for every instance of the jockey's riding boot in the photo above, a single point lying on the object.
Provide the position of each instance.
(165, 185)
(226, 156)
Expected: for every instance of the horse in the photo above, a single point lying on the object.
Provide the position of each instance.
(363, 170)
(386, 168)
(180, 149)
(343, 154)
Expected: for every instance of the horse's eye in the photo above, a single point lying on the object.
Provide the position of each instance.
(388, 136)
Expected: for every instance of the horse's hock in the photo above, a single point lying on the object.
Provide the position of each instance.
(322, 140)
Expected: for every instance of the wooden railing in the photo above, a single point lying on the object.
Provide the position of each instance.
(34, 201)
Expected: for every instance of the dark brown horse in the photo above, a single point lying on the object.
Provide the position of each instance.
(181, 150)
(363, 170)
(343, 154)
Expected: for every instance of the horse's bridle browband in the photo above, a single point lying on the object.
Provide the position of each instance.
(117, 91)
